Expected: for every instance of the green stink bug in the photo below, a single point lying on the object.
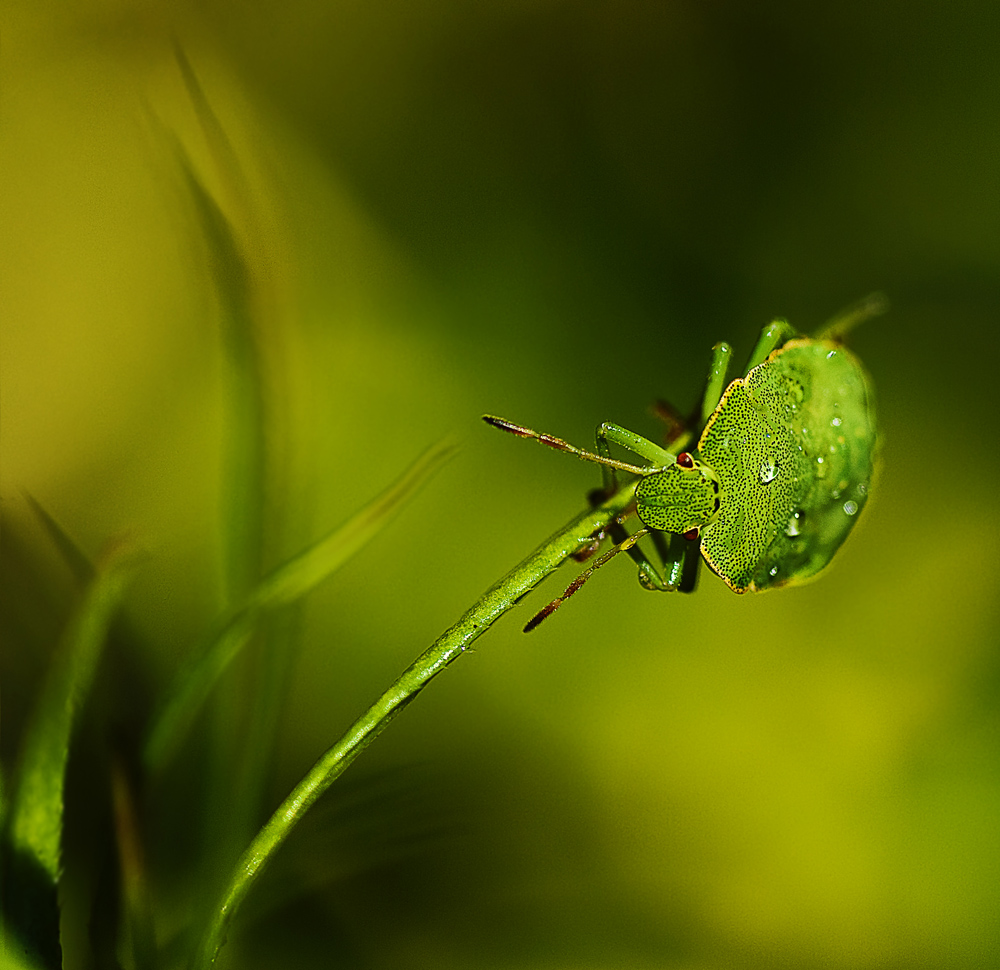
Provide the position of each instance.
(777, 479)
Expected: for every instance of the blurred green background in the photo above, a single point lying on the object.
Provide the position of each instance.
(549, 211)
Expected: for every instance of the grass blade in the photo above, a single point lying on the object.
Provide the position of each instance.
(72, 555)
(244, 496)
(501, 597)
(284, 585)
(242, 259)
(33, 837)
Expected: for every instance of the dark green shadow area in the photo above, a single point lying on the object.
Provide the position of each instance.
(30, 909)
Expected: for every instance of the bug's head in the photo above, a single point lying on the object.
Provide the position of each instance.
(681, 497)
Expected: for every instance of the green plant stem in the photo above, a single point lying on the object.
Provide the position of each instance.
(446, 649)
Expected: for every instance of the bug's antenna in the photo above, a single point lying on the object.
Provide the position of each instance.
(503, 424)
(582, 578)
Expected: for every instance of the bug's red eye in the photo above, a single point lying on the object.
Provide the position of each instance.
(685, 460)
(691, 535)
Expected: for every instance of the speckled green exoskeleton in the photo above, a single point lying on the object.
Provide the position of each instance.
(777, 479)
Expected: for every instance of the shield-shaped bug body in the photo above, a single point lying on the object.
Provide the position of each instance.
(790, 447)
(779, 475)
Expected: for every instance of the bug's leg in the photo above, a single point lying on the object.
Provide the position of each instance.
(681, 558)
(771, 337)
(844, 322)
(690, 562)
(582, 578)
(661, 543)
(609, 481)
(653, 454)
(722, 354)
(671, 555)
(608, 434)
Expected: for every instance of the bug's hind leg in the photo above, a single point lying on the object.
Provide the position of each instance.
(715, 383)
(844, 322)
(771, 338)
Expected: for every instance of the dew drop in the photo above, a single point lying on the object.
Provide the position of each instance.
(850, 507)
(836, 422)
(836, 493)
(832, 353)
(863, 488)
(773, 571)
(768, 472)
(792, 529)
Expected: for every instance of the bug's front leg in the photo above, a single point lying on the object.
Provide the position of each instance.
(650, 577)
(655, 456)
(681, 556)
(687, 553)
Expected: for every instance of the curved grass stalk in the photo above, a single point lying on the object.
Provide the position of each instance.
(499, 598)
